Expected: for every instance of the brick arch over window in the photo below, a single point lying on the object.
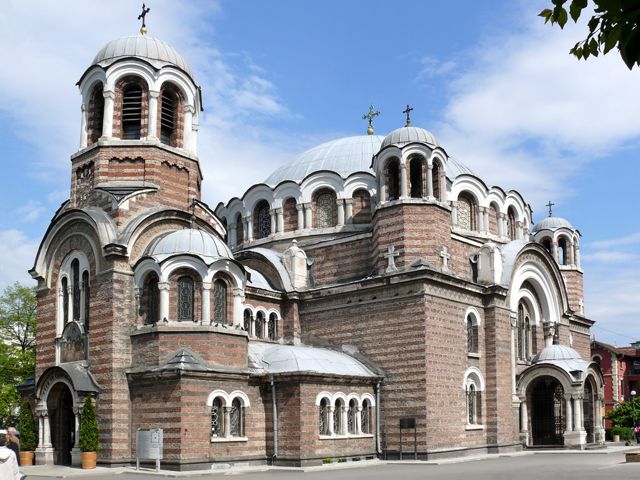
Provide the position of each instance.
(467, 212)
(290, 213)
(392, 178)
(170, 115)
(436, 179)
(325, 208)
(361, 206)
(131, 109)
(261, 220)
(95, 114)
(512, 223)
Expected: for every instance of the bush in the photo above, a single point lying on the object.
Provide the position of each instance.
(625, 414)
(27, 428)
(327, 460)
(626, 433)
(89, 441)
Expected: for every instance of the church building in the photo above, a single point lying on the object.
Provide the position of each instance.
(371, 292)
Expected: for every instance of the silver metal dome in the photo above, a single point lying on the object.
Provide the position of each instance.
(552, 223)
(404, 135)
(190, 241)
(155, 51)
(556, 352)
(343, 156)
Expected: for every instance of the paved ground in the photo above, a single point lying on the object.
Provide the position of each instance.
(526, 466)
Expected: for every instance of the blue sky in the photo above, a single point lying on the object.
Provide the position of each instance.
(493, 83)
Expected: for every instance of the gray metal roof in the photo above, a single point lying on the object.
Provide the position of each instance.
(258, 280)
(81, 377)
(563, 357)
(266, 358)
(552, 223)
(192, 241)
(343, 156)
(157, 52)
(402, 136)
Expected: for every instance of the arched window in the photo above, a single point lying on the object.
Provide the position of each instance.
(435, 178)
(220, 301)
(546, 243)
(392, 177)
(415, 175)
(96, 114)
(236, 418)
(261, 220)
(563, 251)
(217, 418)
(290, 214)
(239, 229)
(151, 300)
(169, 101)
(365, 416)
(338, 427)
(467, 212)
(472, 334)
(473, 386)
(326, 208)
(523, 332)
(323, 418)
(472, 404)
(86, 290)
(247, 321)
(352, 413)
(511, 224)
(260, 324)
(185, 305)
(75, 284)
(361, 207)
(65, 300)
(131, 111)
(273, 326)
(494, 219)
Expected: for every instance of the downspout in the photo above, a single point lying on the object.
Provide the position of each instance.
(275, 419)
(378, 448)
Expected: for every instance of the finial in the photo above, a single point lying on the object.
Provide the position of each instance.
(370, 116)
(408, 111)
(145, 10)
(550, 205)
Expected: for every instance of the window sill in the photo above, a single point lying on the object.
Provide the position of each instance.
(473, 427)
(473, 355)
(228, 439)
(345, 437)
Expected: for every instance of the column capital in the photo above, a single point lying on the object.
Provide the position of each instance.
(154, 94)
(299, 206)
(238, 292)
(163, 286)
(109, 94)
(189, 109)
(206, 285)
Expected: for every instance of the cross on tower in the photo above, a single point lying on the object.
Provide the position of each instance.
(142, 16)
(370, 116)
(408, 111)
(550, 205)
(445, 255)
(390, 256)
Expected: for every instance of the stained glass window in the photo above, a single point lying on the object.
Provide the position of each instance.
(326, 210)
(472, 335)
(235, 417)
(75, 272)
(220, 301)
(273, 319)
(351, 417)
(464, 213)
(185, 298)
(217, 418)
(365, 418)
(262, 220)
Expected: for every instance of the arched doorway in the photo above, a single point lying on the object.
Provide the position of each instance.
(546, 398)
(62, 422)
(588, 402)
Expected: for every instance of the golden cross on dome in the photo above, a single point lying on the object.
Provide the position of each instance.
(550, 205)
(370, 116)
(408, 111)
(142, 16)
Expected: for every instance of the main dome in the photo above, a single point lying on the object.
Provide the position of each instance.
(343, 156)
(157, 52)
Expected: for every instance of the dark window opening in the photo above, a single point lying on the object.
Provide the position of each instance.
(169, 103)
(131, 112)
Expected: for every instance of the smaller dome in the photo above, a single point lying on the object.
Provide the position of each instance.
(404, 135)
(157, 52)
(191, 241)
(552, 223)
(556, 352)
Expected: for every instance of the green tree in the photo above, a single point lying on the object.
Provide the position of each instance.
(615, 23)
(625, 414)
(89, 431)
(27, 428)
(17, 346)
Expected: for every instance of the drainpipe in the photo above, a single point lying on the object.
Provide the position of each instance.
(378, 449)
(275, 419)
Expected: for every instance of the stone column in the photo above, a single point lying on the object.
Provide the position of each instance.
(340, 206)
(571, 254)
(403, 180)
(40, 431)
(330, 419)
(47, 432)
(249, 229)
(345, 420)
(348, 202)
(187, 140)
(238, 301)
(524, 422)
(577, 414)
(152, 131)
(454, 214)
(484, 219)
(274, 224)
(554, 250)
(83, 126)
(359, 420)
(227, 422)
(300, 209)
(76, 459)
(519, 230)
(577, 256)
(194, 137)
(163, 287)
(568, 414)
(206, 304)
(279, 220)
(382, 188)
(430, 181)
(231, 235)
(308, 220)
(107, 119)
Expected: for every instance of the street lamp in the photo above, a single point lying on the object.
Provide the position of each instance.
(633, 406)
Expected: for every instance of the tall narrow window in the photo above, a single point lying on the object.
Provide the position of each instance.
(337, 417)
(511, 224)
(65, 300)
(326, 209)
(361, 207)
(323, 417)
(75, 278)
(467, 212)
(351, 416)
(562, 252)
(262, 220)
(472, 404)
(185, 298)
(247, 321)
(236, 419)
(546, 243)
(435, 178)
(523, 332)
(131, 111)
(472, 335)
(260, 325)
(152, 303)
(168, 120)
(220, 301)
(273, 326)
(96, 114)
(87, 294)
(365, 416)
(290, 213)
(415, 175)
(239, 229)
(217, 418)
(393, 179)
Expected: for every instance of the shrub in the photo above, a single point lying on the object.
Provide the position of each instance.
(625, 433)
(27, 428)
(89, 441)
(327, 460)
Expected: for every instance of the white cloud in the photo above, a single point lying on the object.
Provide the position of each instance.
(17, 252)
(610, 256)
(631, 239)
(31, 211)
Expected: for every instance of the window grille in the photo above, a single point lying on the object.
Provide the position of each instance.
(247, 321)
(185, 298)
(220, 301)
(273, 319)
(153, 301)
(323, 426)
(263, 218)
(351, 417)
(217, 418)
(168, 115)
(260, 325)
(464, 214)
(131, 112)
(337, 418)
(365, 417)
(471, 404)
(472, 336)
(75, 272)
(326, 210)
(236, 418)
